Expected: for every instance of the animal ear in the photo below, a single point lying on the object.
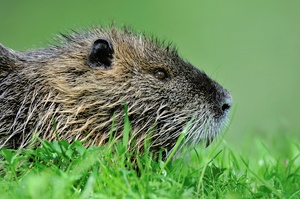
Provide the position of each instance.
(7, 58)
(101, 54)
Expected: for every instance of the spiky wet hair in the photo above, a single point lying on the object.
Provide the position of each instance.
(84, 82)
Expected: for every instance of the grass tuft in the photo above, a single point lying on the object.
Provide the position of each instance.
(69, 170)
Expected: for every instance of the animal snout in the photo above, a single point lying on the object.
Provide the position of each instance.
(225, 101)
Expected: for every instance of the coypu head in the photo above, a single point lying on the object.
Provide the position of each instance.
(84, 83)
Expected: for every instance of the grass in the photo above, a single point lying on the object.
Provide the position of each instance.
(64, 170)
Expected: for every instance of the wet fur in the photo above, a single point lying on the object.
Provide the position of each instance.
(56, 84)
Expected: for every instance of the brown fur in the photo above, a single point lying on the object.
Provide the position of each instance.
(57, 83)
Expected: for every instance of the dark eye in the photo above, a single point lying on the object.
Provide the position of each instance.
(160, 74)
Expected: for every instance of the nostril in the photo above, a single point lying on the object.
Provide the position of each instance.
(223, 100)
(225, 107)
(226, 103)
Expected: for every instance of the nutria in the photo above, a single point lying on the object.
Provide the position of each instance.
(77, 89)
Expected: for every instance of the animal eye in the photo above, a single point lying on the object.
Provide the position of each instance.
(160, 74)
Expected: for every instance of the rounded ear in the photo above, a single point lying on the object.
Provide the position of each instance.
(101, 54)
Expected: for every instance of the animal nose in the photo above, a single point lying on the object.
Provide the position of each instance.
(223, 99)
(226, 101)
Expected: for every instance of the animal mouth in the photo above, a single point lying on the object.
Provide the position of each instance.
(202, 126)
(206, 127)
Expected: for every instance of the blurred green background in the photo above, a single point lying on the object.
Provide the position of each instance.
(251, 47)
